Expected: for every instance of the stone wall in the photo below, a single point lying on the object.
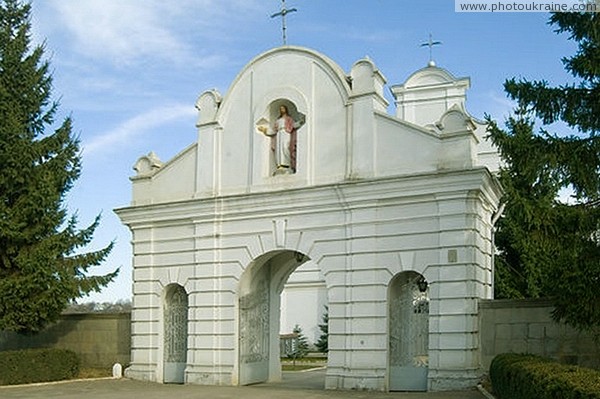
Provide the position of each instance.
(100, 340)
(526, 326)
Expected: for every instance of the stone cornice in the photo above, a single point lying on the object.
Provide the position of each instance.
(325, 198)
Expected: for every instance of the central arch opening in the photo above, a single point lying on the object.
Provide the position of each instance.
(261, 286)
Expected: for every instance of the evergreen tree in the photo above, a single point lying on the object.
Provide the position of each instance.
(42, 267)
(323, 342)
(300, 346)
(549, 247)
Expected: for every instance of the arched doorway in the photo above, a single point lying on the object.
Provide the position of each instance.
(408, 332)
(259, 315)
(175, 334)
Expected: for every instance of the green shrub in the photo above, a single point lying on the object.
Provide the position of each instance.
(516, 376)
(37, 365)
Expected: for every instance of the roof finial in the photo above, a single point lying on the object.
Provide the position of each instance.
(284, 11)
(430, 43)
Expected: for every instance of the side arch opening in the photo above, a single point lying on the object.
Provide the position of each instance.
(408, 332)
(175, 311)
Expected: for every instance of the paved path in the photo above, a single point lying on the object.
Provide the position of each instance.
(295, 386)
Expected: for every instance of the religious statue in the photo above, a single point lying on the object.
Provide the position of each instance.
(283, 136)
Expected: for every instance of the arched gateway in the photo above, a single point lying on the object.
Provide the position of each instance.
(380, 204)
(259, 303)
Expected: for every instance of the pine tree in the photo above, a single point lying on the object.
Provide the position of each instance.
(300, 346)
(42, 267)
(549, 247)
(323, 342)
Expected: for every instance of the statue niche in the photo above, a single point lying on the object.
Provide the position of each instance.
(281, 123)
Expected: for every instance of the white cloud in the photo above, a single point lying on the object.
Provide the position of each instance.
(501, 107)
(137, 126)
(124, 31)
(119, 30)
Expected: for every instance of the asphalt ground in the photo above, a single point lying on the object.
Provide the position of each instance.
(295, 385)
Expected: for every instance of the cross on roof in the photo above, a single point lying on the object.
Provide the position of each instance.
(430, 43)
(284, 11)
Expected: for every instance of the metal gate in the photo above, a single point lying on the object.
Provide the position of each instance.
(408, 333)
(254, 335)
(176, 318)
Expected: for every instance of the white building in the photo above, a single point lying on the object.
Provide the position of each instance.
(392, 212)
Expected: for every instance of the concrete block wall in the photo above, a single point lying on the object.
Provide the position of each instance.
(100, 340)
(526, 326)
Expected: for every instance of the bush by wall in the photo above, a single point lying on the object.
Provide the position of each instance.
(517, 376)
(37, 365)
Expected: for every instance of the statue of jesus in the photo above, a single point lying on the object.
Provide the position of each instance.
(283, 140)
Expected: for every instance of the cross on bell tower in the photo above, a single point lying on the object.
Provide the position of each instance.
(284, 11)
(430, 43)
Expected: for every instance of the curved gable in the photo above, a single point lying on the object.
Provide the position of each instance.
(315, 90)
(326, 64)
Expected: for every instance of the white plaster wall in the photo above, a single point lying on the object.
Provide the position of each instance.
(429, 93)
(404, 145)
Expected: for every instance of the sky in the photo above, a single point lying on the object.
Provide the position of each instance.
(129, 72)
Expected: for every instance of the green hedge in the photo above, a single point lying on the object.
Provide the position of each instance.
(37, 365)
(516, 376)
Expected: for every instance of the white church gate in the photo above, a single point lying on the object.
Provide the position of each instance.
(408, 332)
(175, 334)
(372, 195)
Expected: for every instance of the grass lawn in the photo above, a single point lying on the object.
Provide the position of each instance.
(303, 363)
(305, 360)
(298, 367)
